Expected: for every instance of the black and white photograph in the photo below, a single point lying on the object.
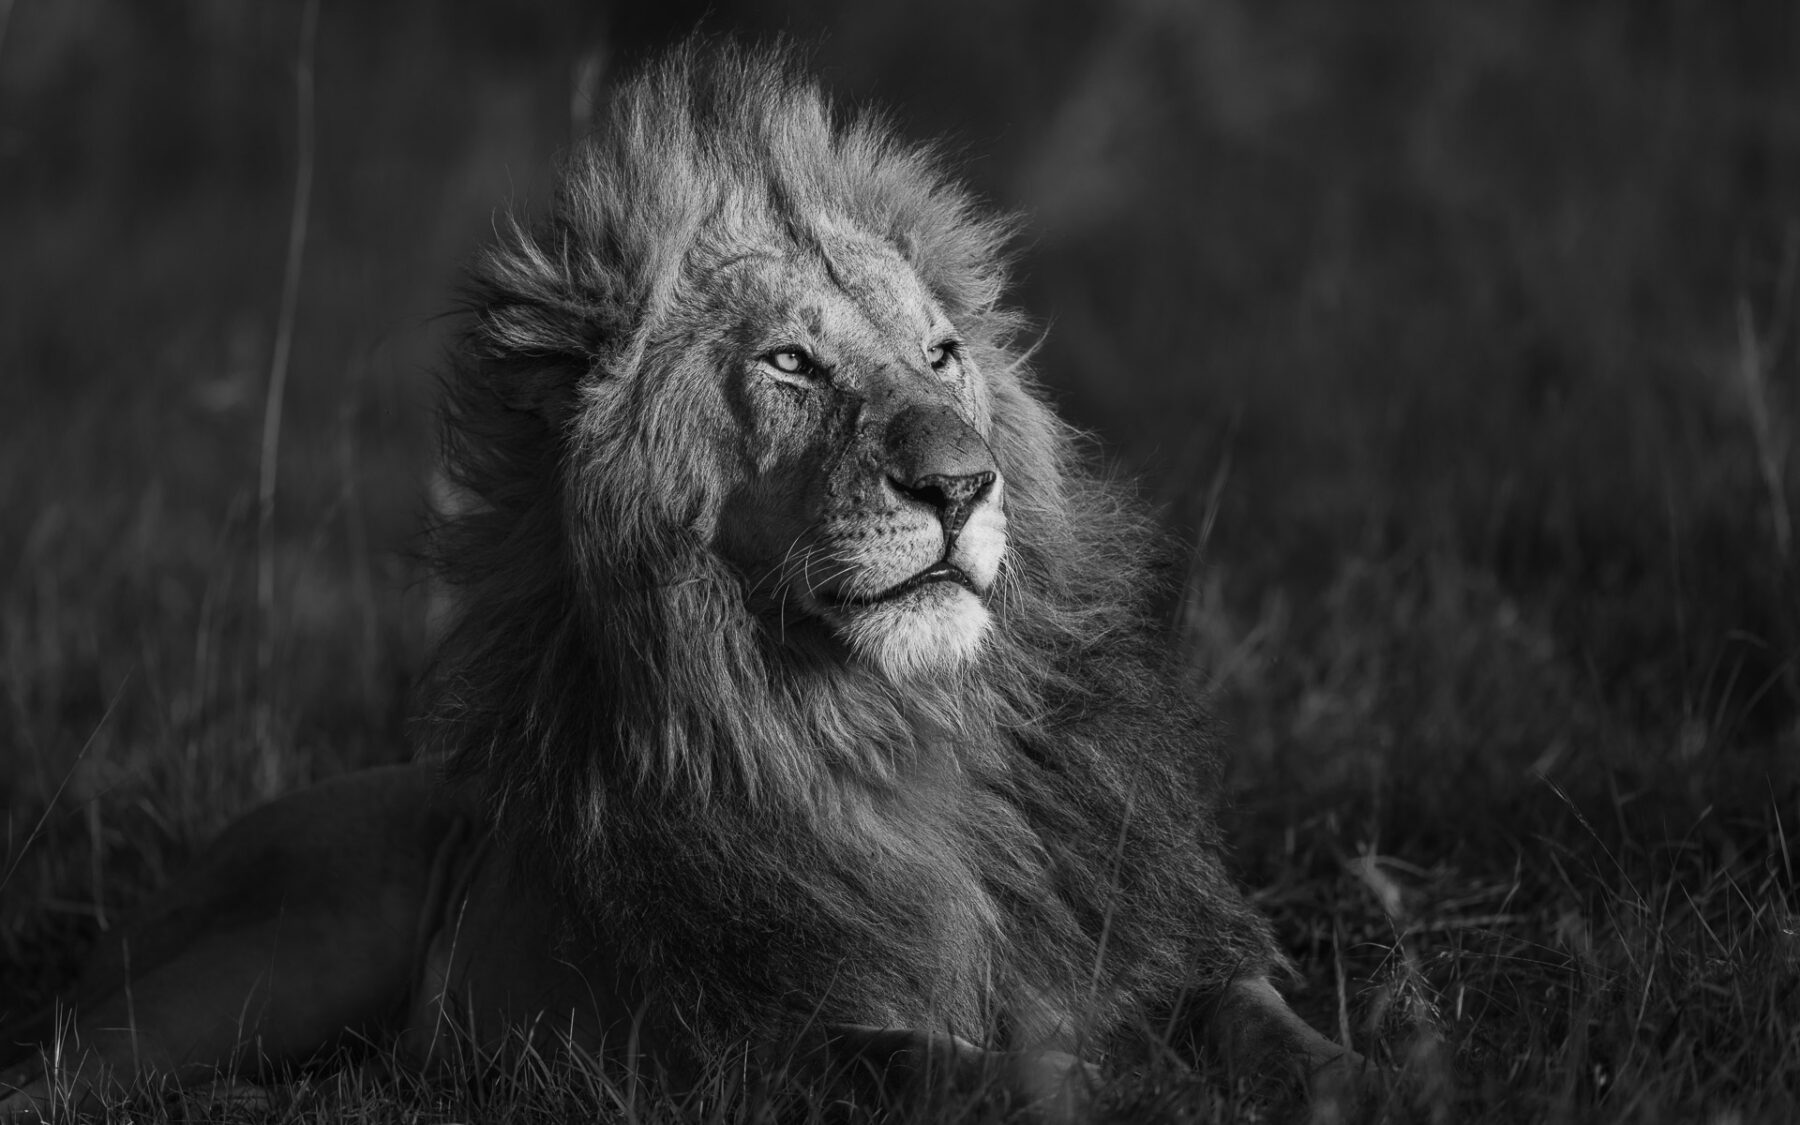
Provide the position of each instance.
(964, 561)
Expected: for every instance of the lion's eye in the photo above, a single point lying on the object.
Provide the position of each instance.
(791, 361)
(939, 355)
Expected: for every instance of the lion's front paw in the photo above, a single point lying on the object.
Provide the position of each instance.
(1052, 1087)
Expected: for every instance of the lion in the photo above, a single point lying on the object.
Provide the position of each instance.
(804, 693)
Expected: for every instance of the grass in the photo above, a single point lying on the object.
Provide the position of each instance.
(1463, 341)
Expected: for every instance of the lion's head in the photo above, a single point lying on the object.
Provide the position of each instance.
(744, 407)
(796, 648)
(855, 487)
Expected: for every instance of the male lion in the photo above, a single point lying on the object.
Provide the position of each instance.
(803, 695)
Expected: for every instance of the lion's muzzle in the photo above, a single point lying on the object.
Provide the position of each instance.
(935, 458)
(912, 557)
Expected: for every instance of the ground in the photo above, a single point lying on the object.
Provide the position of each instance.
(1459, 339)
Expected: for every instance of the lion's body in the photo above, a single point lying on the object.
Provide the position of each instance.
(800, 675)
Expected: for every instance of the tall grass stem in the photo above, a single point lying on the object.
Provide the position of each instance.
(278, 374)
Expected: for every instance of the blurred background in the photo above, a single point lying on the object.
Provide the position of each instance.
(1461, 336)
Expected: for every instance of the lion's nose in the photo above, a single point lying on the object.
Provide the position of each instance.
(937, 459)
(953, 497)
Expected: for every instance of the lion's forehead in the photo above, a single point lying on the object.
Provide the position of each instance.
(842, 290)
(874, 274)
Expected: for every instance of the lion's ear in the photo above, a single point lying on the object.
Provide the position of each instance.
(538, 329)
(532, 359)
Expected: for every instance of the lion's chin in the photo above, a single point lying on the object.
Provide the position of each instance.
(937, 628)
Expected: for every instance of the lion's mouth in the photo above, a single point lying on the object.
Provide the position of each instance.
(940, 571)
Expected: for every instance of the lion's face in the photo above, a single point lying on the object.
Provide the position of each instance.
(863, 496)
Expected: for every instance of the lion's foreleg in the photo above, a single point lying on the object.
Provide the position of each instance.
(230, 1003)
(298, 929)
(1254, 1031)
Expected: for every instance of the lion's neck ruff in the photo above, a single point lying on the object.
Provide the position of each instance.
(868, 846)
(781, 833)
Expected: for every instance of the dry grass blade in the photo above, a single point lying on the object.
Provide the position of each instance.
(270, 464)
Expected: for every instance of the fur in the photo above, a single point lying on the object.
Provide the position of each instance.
(1022, 847)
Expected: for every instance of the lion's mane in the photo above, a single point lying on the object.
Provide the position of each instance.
(773, 831)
